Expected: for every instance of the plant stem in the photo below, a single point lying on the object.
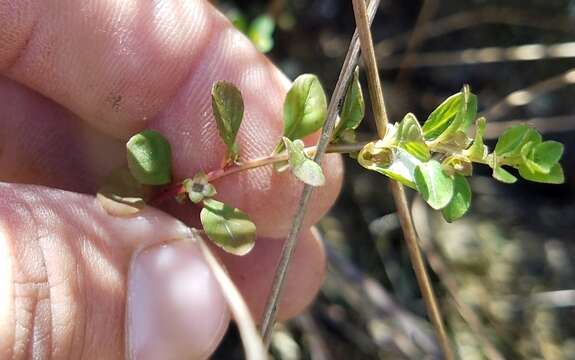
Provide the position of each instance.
(288, 248)
(177, 188)
(418, 264)
(275, 158)
(397, 189)
(368, 55)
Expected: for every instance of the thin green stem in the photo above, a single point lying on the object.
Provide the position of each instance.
(276, 158)
(178, 188)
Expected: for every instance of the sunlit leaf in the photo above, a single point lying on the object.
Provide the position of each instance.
(503, 175)
(456, 113)
(409, 136)
(547, 154)
(526, 157)
(555, 175)
(513, 139)
(150, 158)
(228, 227)
(478, 150)
(301, 166)
(305, 108)
(461, 200)
(434, 185)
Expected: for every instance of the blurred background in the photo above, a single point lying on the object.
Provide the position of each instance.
(505, 273)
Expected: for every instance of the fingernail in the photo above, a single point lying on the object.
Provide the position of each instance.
(175, 309)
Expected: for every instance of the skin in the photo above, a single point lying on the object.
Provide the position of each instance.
(77, 78)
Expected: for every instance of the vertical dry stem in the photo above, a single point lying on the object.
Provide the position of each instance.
(407, 227)
(288, 248)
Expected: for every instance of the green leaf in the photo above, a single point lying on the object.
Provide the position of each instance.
(461, 200)
(301, 166)
(503, 175)
(434, 185)
(456, 113)
(478, 150)
(555, 175)
(228, 109)
(547, 154)
(305, 108)
(526, 155)
(150, 158)
(513, 139)
(353, 109)
(121, 194)
(409, 136)
(261, 32)
(395, 163)
(468, 109)
(228, 227)
(440, 119)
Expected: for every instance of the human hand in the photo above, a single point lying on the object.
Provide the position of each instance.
(77, 78)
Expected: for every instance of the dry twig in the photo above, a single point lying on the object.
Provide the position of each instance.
(376, 95)
(288, 248)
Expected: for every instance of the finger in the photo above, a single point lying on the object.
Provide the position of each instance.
(42, 143)
(63, 266)
(175, 308)
(154, 66)
(254, 273)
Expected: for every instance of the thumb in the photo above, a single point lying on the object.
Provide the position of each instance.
(63, 282)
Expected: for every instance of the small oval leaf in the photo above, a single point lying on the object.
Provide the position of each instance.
(228, 109)
(305, 108)
(547, 154)
(434, 185)
(409, 136)
(353, 109)
(150, 158)
(228, 227)
(303, 168)
(513, 139)
(461, 200)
